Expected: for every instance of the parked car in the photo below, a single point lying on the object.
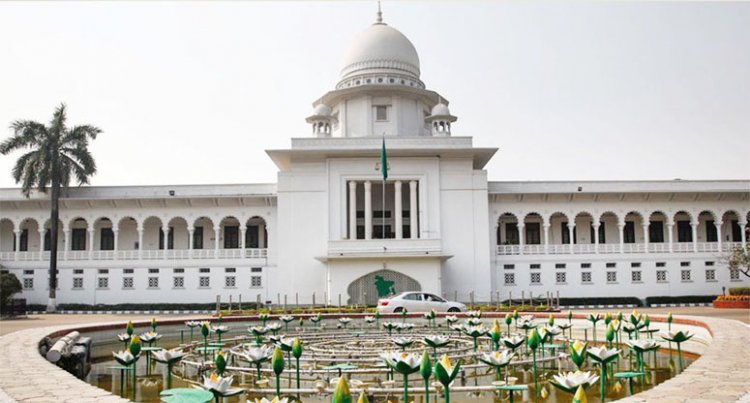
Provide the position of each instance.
(414, 301)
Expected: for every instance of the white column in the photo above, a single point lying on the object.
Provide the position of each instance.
(352, 209)
(596, 237)
(718, 234)
(621, 226)
(694, 225)
(217, 235)
(41, 243)
(18, 242)
(243, 230)
(368, 210)
(165, 231)
(546, 237)
(743, 236)
(191, 231)
(571, 229)
(399, 208)
(520, 226)
(670, 234)
(66, 247)
(413, 210)
(116, 233)
(646, 239)
(140, 241)
(91, 243)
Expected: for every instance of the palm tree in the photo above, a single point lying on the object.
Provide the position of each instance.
(54, 155)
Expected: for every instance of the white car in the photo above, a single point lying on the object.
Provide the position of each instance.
(414, 301)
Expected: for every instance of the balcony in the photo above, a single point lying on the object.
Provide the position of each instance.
(384, 248)
(567, 249)
(109, 255)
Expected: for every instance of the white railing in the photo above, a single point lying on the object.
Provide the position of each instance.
(171, 254)
(566, 249)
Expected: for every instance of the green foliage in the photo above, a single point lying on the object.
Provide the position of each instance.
(601, 301)
(684, 299)
(739, 259)
(9, 285)
(739, 291)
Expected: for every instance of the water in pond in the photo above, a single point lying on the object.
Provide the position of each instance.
(356, 350)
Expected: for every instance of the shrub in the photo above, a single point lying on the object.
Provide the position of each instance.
(739, 291)
(683, 299)
(9, 285)
(601, 301)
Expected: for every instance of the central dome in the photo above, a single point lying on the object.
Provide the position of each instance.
(380, 49)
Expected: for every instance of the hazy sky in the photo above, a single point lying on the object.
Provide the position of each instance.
(192, 92)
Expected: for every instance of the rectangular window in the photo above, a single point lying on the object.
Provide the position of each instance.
(684, 264)
(204, 282)
(734, 274)
(611, 276)
(127, 271)
(710, 275)
(230, 270)
(28, 283)
(178, 270)
(231, 237)
(565, 233)
(256, 269)
(24, 246)
(102, 282)
(661, 264)
(736, 231)
(559, 265)
(711, 235)
(255, 281)
(560, 277)
(586, 277)
(153, 271)
(103, 271)
(170, 238)
(509, 266)
(685, 275)
(78, 239)
(205, 270)
(107, 239)
(684, 231)
(533, 234)
(381, 113)
(178, 282)
(536, 278)
(47, 239)
(635, 276)
(635, 264)
(629, 232)
(77, 283)
(661, 276)
(511, 234)
(127, 282)
(709, 263)
(656, 232)
(535, 266)
(510, 278)
(198, 237)
(251, 236)
(230, 281)
(31, 272)
(585, 265)
(602, 233)
(611, 265)
(153, 282)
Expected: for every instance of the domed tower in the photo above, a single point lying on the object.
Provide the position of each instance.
(380, 92)
(440, 120)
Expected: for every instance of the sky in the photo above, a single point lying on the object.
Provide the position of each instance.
(195, 92)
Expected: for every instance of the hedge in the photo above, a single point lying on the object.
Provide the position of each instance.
(683, 299)
(739, 291)
(137, 307)
(601, 301)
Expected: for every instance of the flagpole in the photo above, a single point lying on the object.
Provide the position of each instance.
(384, 167)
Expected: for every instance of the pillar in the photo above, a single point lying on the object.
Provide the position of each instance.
(217, 235)
(546, 237)
(91, 243)
(352, 210)
(116, 233)
(66, 247)
(165, 231)
(621, 226)
(191, 231)
(41, 243)
(694, 226)
(596, 237)
(18, 243)
(399, 209)
(520, 227)
(140, 241)
(571, 229)
(413, 210)
(670, 234)
(368, 210)
(646, 237)
(743, 235)
(718, 234)
(243, 231)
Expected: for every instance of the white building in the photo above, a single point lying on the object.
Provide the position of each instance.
(326, 228)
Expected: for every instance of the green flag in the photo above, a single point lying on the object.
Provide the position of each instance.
(383, 161)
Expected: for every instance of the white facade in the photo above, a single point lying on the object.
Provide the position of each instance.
(327, 228)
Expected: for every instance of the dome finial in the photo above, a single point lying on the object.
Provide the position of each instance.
(379, 18)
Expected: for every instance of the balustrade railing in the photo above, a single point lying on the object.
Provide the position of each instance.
(660, 247)
(170, 254)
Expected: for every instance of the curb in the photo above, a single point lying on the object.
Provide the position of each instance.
(155, 312)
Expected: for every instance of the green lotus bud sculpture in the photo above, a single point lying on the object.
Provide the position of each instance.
(551, 320)
(341, 394)
(533, 342)
(221, 363)
(495, 334)
(153, 324)
(277, 363)
(593, 318)
(297, 353)
(129, 328)
(508, 321)
(445, 373)
(425, 369)
(578, 353)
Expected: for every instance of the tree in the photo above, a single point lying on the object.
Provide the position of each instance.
(9, 285)
(54, 155)
(739, 259)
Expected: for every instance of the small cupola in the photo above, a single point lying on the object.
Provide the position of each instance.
(321, 121)
(440, 120)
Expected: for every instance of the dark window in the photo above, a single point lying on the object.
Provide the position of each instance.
(24, 246)
(629, 232)
(509, 266)
(381, 112)
(661, 264)
(656, 232)
(585, 265)
(252, 240)
(47, 239)
(78, 241)
(535, 266)
(559, 265)
(602, 233)
(711, 235)
(684, 231)
(565, 233)
(198, 238)
(511, 234)
(107, 241)
(611, 265)
(533, 234)
(736, 231)
(635, 264)
(170, 238)
(684, 264)
(231, 237)
(377, 231)
(406, 231)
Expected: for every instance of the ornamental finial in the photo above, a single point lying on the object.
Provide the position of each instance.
(379, 18)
